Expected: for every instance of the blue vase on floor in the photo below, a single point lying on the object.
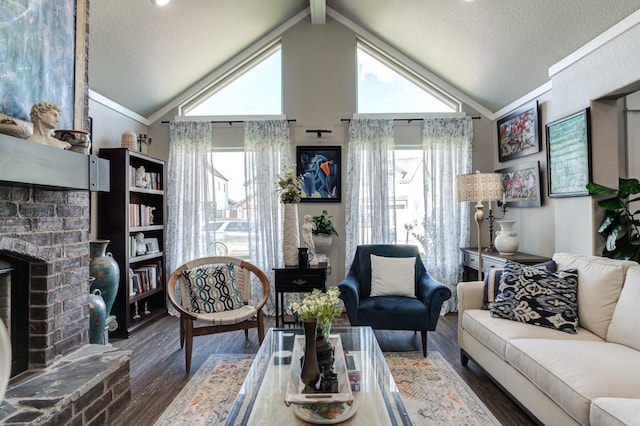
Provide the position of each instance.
(97, 317)
(105, 270)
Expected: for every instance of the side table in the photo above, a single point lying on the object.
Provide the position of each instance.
(292, 279)
(492, 260)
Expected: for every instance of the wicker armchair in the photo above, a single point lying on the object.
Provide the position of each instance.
(191, 283)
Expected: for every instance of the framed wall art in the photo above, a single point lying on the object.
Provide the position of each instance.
(321, 172)
(569, 155)
(44, 58)
(521, 185)
(518, 133)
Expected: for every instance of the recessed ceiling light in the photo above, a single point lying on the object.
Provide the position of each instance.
(160, 2)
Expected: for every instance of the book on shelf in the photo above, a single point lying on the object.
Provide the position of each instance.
(141, 215)
(145, 278)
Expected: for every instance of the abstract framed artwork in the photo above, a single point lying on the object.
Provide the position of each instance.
(39, 58)
(518, 133)
(321, 172)
(569, 155)
(521, 185)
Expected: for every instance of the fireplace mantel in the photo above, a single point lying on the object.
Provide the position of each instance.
(32, 164)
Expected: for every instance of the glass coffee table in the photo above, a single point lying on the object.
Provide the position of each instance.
(376, 399)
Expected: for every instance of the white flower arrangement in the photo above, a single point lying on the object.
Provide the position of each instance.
(325, 307)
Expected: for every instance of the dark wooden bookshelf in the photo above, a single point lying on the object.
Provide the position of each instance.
(115, 224)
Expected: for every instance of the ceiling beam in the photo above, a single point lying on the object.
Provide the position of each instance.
(318, 11)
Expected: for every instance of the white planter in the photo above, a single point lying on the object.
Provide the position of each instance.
(290, 235)
(506, 239)
(323, 243)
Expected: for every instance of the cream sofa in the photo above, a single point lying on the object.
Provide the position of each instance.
(592, 377)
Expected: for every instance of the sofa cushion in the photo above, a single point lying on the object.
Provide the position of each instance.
(492, 282)
(625, 323)
(573, 372)
(615, 412)
(599, 284)
(393, 276)
(537, 296)
(494, 333)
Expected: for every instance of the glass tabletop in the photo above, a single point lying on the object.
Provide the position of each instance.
(260, 401)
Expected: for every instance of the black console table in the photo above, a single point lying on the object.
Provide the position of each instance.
(292, 279)
(492, 260)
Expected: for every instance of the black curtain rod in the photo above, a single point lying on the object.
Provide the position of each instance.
(230, 122)
(409, 119)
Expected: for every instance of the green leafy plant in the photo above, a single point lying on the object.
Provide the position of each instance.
(289, 186)
(323, 224)
(620, 227)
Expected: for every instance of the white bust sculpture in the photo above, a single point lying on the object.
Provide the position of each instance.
(141, 177)
(141, 248)
(45, 116)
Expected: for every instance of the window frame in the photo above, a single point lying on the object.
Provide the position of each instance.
(229, 77)
(410, 75)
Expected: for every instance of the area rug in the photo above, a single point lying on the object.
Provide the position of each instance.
(433, 392)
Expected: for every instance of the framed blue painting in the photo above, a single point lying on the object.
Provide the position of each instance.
(38, 57)
(321, 172)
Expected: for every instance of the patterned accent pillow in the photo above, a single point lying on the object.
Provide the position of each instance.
(492, 282)
(539, 297)
(212, 289)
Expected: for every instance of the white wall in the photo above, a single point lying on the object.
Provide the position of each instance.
(319, 89)
(108, 126)
(319, 86)
(591, 81)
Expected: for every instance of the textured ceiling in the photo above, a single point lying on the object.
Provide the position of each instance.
(495, 51)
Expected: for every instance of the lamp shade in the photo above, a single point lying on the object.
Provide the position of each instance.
(479, 187)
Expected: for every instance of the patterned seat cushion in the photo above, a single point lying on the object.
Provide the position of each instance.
(212, 289)
(539, 297)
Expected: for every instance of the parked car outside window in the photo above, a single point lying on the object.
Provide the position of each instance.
(231, 237)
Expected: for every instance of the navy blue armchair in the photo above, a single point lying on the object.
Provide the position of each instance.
(390, 312)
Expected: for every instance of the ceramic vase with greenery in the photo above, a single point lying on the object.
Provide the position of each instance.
(290, 191)
(620, 226)
(323, 232)
(324, 307)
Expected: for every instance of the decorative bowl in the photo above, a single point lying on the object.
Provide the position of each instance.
(80, 141)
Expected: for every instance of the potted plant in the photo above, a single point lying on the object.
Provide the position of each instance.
(620, 227)
(323, 232)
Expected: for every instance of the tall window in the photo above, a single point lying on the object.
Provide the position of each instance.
(386, 87)
(253, 89)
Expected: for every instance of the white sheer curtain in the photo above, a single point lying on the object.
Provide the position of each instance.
(190, 194)
(370, 193)
(447, 153)
(267, 151)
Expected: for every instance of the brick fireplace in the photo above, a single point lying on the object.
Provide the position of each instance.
(44, 237)
(59, 377)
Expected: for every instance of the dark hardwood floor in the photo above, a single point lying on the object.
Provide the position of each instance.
(158, 374)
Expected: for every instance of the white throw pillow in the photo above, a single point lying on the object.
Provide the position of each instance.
(393, 276)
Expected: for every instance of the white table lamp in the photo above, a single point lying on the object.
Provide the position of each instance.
(479, 187)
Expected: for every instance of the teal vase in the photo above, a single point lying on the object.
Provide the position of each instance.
(97, 317)
(105, 270)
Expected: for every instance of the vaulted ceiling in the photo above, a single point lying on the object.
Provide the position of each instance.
(495, 51)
